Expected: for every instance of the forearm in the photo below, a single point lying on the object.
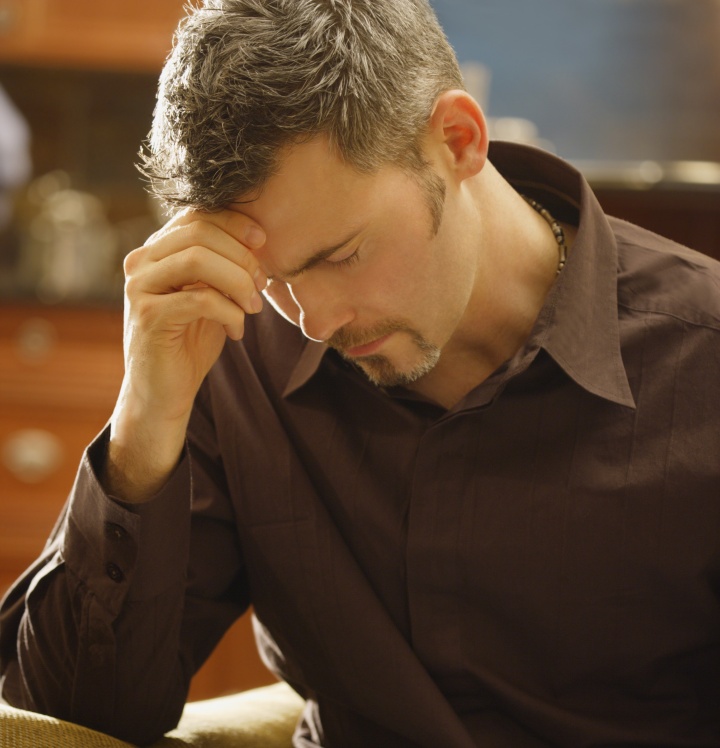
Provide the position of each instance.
(102, 636)
(143, 450)
(92, 670)
(97, 639)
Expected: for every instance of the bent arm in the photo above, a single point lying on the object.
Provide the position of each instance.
(127, 601)
(133, 592)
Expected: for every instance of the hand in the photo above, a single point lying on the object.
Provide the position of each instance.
(187, 289)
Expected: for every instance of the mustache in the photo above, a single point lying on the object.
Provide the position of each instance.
(345, 337)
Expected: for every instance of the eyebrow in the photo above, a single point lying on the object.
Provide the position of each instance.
(316, 258)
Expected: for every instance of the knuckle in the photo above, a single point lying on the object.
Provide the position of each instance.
(131, 285)
(132, 260)
(196, 232)
(182, 214)
(194, 258)
(195, 299)
(247, 258)
(156, 235)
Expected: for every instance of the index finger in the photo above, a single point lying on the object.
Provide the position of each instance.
(239, 226)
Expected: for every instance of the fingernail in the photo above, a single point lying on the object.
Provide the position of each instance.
(256, 303)
(260, 279)
(254, 237)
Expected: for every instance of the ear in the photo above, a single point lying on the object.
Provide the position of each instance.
(459, 133)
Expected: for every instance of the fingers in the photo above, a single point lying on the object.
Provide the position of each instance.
(199, 264)
(182, 309)
(201, 249)
(188, 287)
(209, 230)
(237, 225)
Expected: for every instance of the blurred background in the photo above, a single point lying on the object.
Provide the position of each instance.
(628, 90)
(607, 80)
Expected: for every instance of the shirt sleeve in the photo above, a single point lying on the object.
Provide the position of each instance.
(125, 603)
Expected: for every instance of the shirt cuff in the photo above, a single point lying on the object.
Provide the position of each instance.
(127, 551)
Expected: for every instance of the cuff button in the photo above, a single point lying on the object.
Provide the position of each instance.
(115, 532)
(114, 572)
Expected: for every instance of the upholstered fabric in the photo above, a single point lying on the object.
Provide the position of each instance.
(261, 718)
(20, 729)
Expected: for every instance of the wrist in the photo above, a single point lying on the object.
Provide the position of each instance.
(143, 450)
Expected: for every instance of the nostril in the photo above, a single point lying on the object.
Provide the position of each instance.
(321, 328)
(321, 312)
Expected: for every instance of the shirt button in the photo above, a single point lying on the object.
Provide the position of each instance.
(114, 572)
(115, 532)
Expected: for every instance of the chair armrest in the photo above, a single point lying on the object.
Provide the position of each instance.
(259, 718)
(21, 729)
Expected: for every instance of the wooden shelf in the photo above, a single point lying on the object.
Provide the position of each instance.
(129, 35)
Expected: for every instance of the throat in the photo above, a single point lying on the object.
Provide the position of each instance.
(498, 322)
(451, 380)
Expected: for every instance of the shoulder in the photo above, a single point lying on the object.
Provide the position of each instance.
(669, 327)
(659, 277)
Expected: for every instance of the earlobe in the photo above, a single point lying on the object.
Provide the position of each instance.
(458, 124)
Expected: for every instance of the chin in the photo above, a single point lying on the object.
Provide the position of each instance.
(383, 373)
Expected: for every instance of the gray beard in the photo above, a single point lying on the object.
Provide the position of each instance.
(382, 373)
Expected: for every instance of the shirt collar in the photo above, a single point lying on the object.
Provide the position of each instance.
(578, 324)
(306, 366)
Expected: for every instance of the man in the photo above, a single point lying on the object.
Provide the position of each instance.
(464, 465)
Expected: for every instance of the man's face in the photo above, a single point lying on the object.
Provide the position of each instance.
(359, 262)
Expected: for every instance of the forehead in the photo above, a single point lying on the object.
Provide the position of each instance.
(313, 200)
(313, 189)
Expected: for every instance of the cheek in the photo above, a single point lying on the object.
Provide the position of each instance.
(416, 265)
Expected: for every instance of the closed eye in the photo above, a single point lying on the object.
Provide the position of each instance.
(344, 261)
(339, 255)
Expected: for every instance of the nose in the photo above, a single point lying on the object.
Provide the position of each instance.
(322, 310)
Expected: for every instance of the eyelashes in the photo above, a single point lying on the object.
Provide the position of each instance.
(349, 260)
(343, 262)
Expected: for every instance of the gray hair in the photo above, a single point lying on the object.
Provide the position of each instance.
(247, 78)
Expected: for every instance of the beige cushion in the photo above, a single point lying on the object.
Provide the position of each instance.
(19, 729)
(261, 718)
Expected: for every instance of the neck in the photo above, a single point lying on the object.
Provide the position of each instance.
(517, 264)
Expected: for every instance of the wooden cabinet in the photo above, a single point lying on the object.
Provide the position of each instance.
(124, 35)
(60, 372)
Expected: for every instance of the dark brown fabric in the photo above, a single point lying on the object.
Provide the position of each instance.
(539, 566)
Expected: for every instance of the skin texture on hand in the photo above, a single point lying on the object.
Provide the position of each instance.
(187, 289)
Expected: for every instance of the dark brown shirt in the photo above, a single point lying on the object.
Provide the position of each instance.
(539, 566)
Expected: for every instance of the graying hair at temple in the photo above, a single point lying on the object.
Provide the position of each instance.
(247, 78)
